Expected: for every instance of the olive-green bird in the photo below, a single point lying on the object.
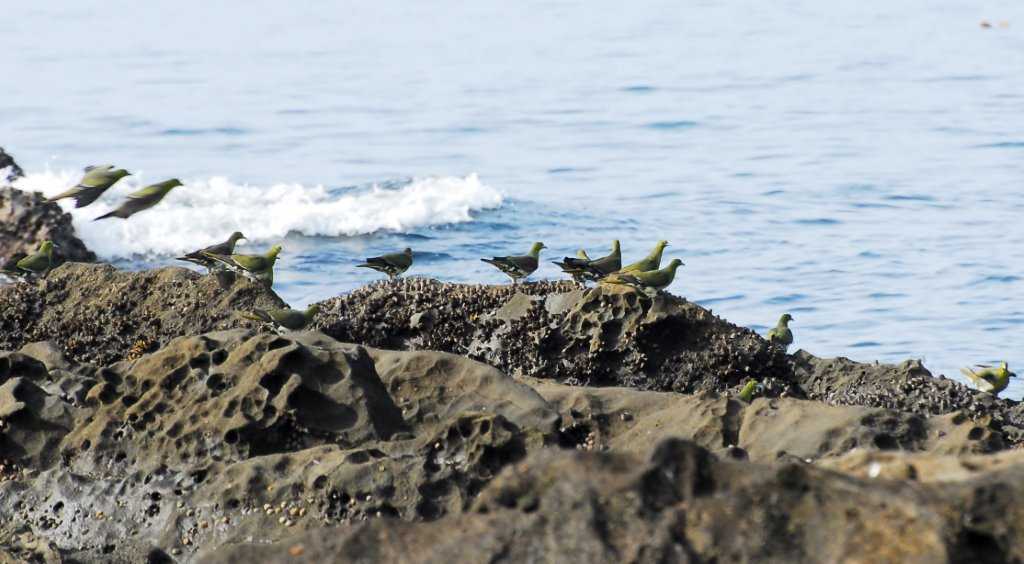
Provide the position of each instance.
(651, 262)
(518, 267)
(284, 318)
(143, 199)
(573, 269)
(781, 334)
(595, 269)
(654, 279)
(201, 257)
(991, 380)
(393, 264)
(747, 393)
(255, 267)
(10, 266)
(39, 262)
(97, 180)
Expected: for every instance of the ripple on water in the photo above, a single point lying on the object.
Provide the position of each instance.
(785, 299)
(1001, 145)
(671, 125)
(817, 221)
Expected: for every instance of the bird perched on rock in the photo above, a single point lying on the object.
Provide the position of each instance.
(284, 318)
(96, 181)
(227, 248)
(255, 267)
(595, 269)
(39, 262)
(201, 257)
(781, 334)
(143, 199)
(651, 262)
(991, 380)
(571, 266)
(392, 264)
(10, 266)
(518, 267)
(653, 279)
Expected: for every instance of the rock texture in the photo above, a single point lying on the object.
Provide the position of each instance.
(142, 421)
(602, 336)
(9, 170)
(27, 219)
(96, 313)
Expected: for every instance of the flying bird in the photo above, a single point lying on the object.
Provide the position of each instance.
(518, 267)
(393, 264)
(143, 199)
(97, 180)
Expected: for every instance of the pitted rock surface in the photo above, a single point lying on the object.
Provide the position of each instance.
(601, 336)
(97, 313)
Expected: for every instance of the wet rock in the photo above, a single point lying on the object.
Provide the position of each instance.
(27, 219)
(96, 313)
(684, 505)
(9, 170)
(602, 336)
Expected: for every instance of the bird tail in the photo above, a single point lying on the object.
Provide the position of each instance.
(970, 375)
(106, 215)
(493, 261)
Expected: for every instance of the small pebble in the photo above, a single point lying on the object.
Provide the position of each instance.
(281, 520)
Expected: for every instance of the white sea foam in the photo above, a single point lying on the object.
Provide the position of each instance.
(205, 211)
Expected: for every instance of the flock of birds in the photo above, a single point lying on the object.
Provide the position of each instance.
(646, 275)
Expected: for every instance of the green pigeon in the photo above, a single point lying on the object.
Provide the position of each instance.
(226, 248)
(991, 380)
(392, 264)
(39, 262)
(595, 269)
(650, 262)
(284, 318)
(781, 333)
(10, 266)
(747, 393)
(255, 267)
(96, 181)
(143, 199)
(654, 279)
(572, 269)
(518, 267)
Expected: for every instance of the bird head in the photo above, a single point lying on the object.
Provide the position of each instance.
(274, 251)
(408, 251)
(46, 247)
(786, 318)
(236, 236)
(662, 244)
(676, 263)
(120, 173)
(174, 183)
(535, 250)
(615, 246)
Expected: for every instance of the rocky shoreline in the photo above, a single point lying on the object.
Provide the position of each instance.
(143, 420)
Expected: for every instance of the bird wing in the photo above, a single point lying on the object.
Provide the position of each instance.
(978, 379)
(34, 263)
(252, 263)
(98, 167)
(96, 176)
(400, 260)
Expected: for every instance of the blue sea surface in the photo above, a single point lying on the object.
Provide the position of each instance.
(858, 164)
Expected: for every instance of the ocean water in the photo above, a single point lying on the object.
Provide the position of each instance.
(858, 164)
